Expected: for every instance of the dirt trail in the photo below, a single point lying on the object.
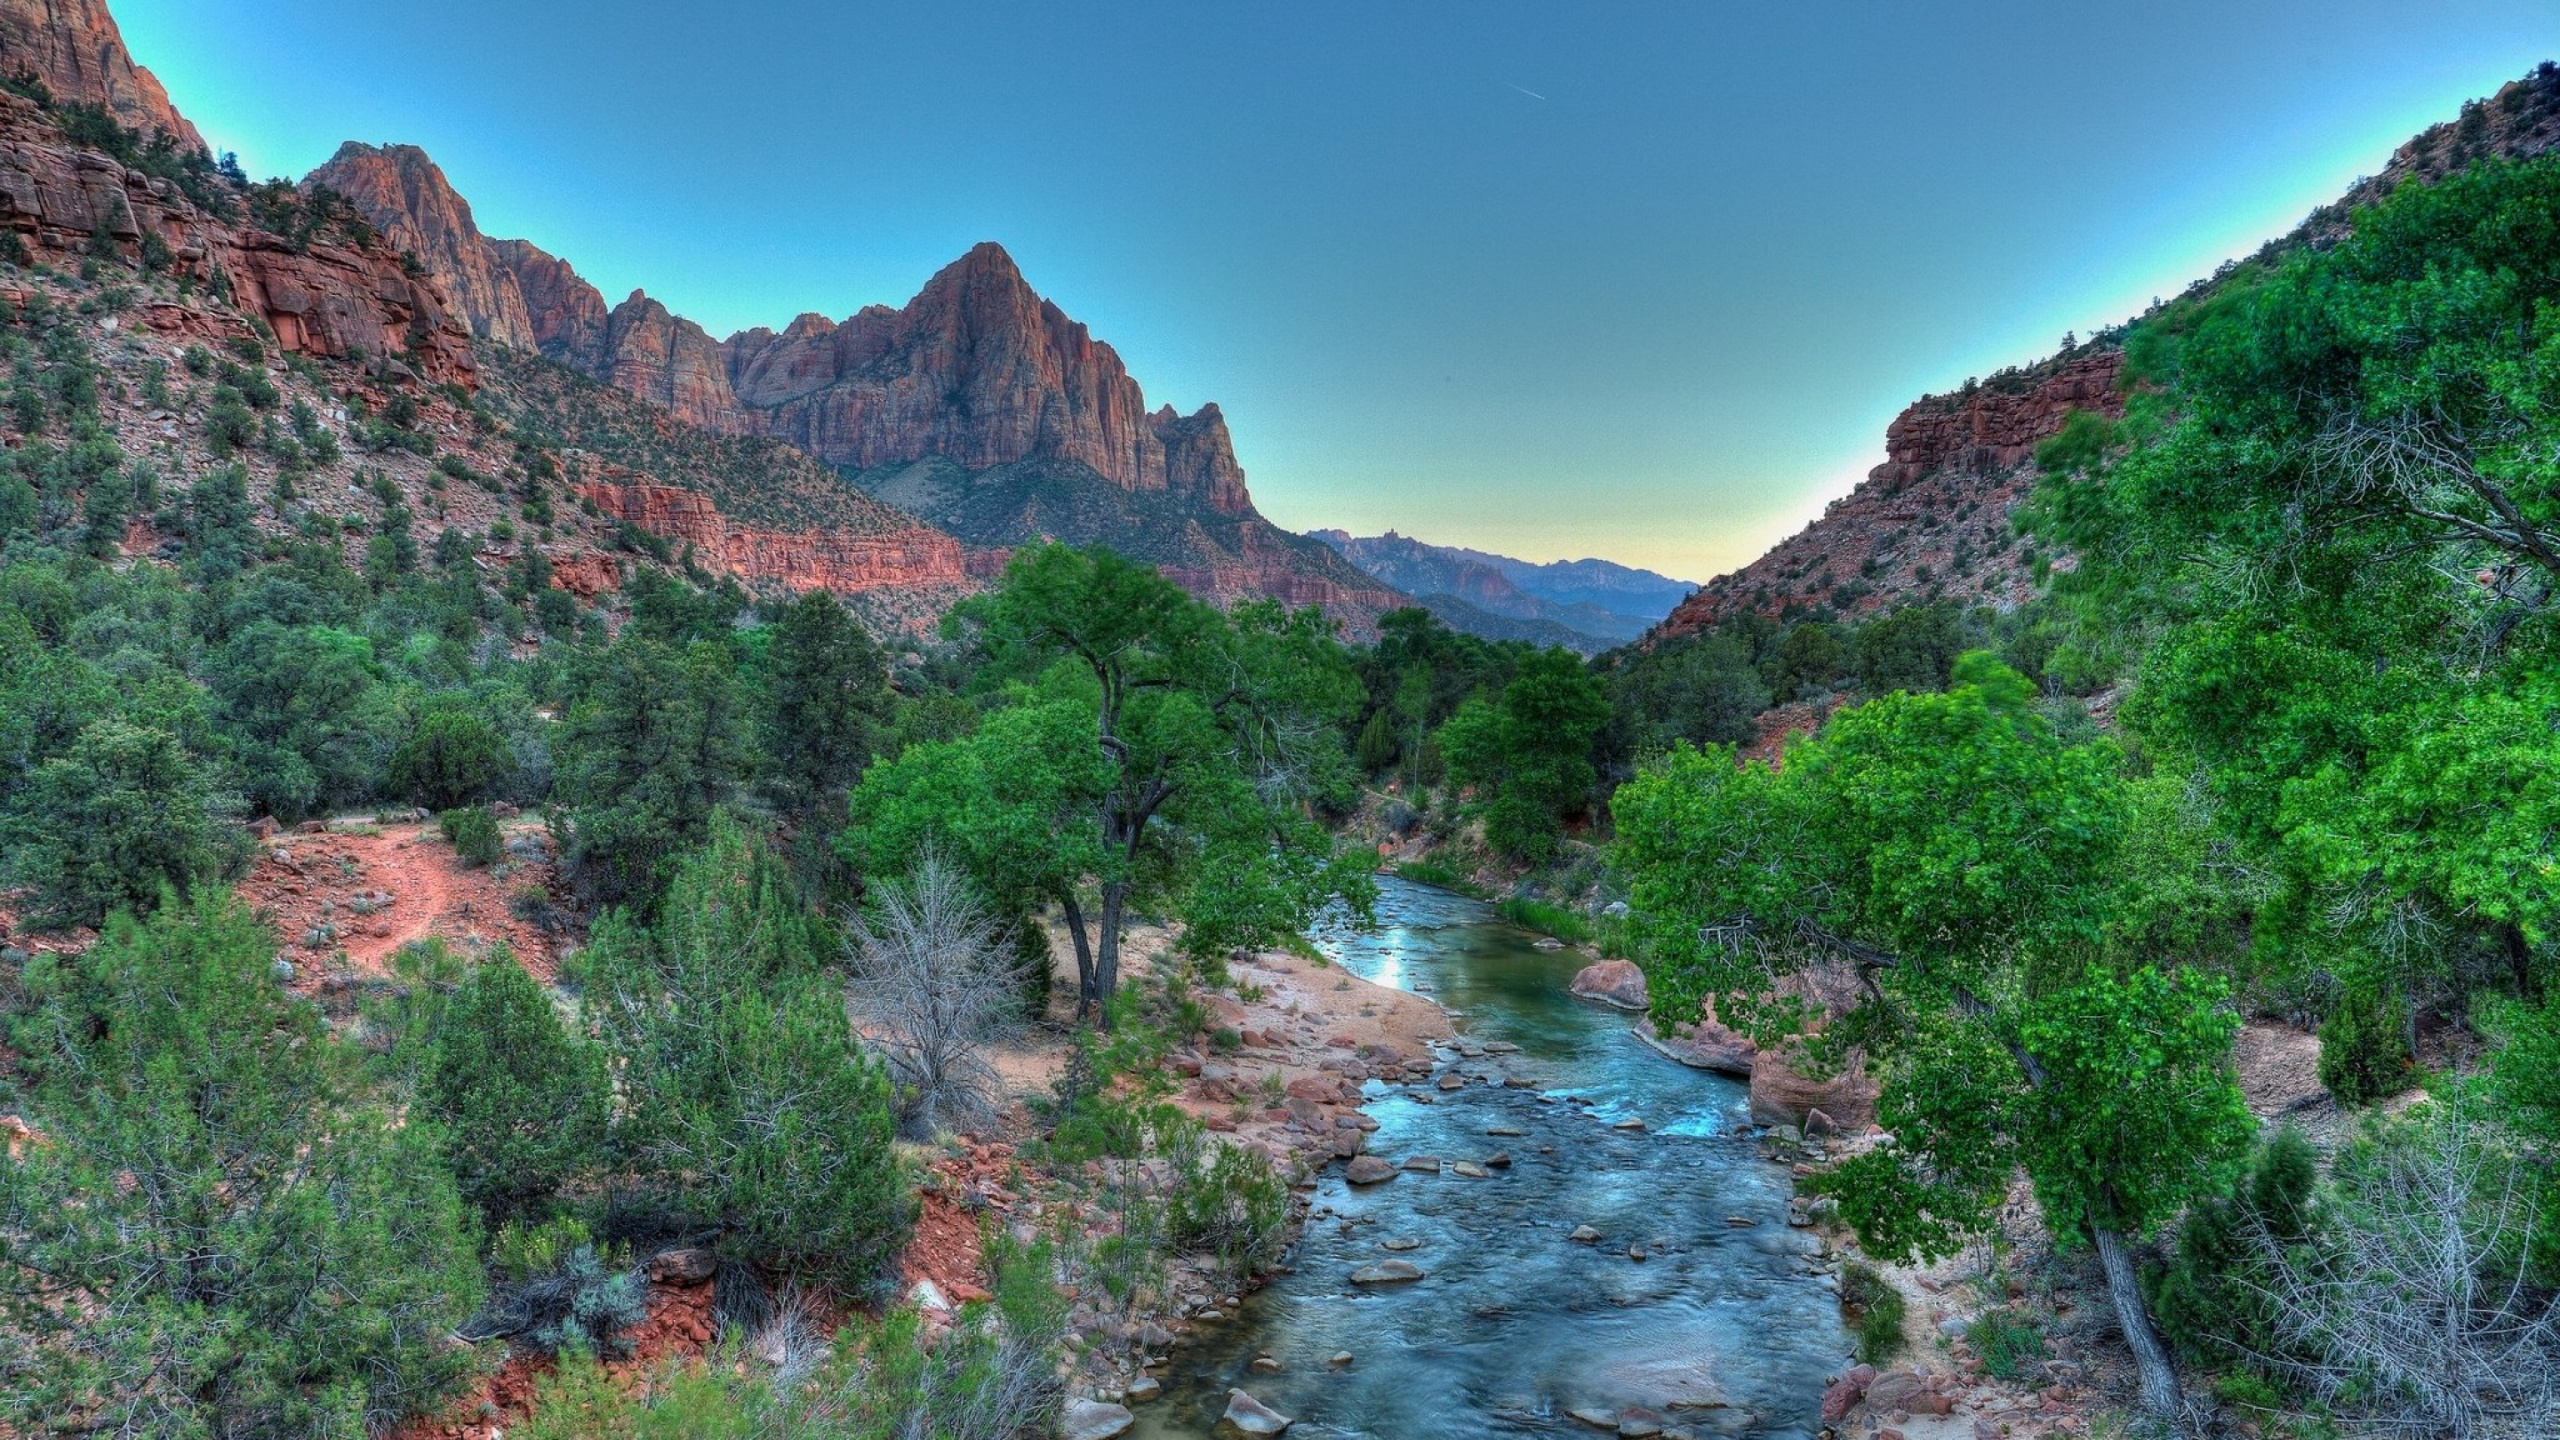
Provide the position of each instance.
(347, 898)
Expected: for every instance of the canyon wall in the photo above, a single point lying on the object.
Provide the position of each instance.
(74, 47)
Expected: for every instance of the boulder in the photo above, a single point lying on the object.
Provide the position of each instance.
(1094, 1420)
(682, 1267)
(1249, 1419)
(1783, 1095)
(1368, 1170)
(1613, 982)
(1893, 1390)
(1142, 1390)
(1388, 1272)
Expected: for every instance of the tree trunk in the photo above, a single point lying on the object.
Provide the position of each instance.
(2159, 1378)
(1084, 952)
(1106, 965)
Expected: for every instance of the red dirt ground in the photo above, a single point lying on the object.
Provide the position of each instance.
(379, 888)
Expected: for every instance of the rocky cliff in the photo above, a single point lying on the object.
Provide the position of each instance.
(406, 195)
(328, 290)
(1012, 406)
(1932, 521)
(74, 47)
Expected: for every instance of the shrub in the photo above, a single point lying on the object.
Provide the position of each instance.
(2364, 1050)
(2210, 1299)
(1228, 1202)
(522, 1097)
(121, 815)
(454, 758)
(2008, 1340)
(581, 1305)
(1548, 918)
(237, 1238)
(473, 832)
(1875, 1308)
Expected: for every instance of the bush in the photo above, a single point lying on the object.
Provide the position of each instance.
(123, 815)
(522, 1097)
(1548, 918)
(454, 758)
(1875, 1308)
(2210, 1298)
(1228, 1202)
(237, 1236)
(2008, 1340)
(473, 832)
(2364, 1049)
(581, 1305)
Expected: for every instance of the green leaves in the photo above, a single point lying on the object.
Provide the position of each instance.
(522, 1099)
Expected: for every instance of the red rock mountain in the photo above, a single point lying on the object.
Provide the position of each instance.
(1934, 519)
(1024, 425)
(74, 47)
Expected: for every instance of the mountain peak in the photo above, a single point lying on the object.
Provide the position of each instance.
(74, 47)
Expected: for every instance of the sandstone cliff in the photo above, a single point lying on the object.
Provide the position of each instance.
(402, 192)
(1014, 408)
(74, 47)
(1932, 521)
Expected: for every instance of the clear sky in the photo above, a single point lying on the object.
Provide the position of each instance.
(1637, 280)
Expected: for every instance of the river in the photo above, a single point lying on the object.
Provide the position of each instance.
(1515, 1324)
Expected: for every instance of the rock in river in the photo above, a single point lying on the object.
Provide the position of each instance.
(1094, 1420)
(1388, 1272)
(1250, 1418)
(1368, 1170)
(1617, 982)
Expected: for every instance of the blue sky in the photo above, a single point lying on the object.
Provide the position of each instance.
(1640, 281)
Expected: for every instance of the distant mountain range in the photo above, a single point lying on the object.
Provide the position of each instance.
(1585, 605)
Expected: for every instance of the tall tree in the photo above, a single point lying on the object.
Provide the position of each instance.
(1213, 730)
(1529, 753)
(825, 701)
(1963, 860)
(649, 754)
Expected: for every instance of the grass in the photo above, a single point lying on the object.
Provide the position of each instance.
(1566, 924)
(2008, 1341)
(1875, 1308)
(1433, 873)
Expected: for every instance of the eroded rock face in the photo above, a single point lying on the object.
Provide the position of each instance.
(422, 214)
(844, 562)
(1935, 516)
(337, 300)
(76, 49)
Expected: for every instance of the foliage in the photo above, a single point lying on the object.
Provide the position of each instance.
(453, 758)
(825, 700)
(522, 1098)
(1960, 857)
(123, 816)
(1529, 754)
(2212, 1298)
(1875, 1308)
(2363, 1055)
(2008, 1341)
(579, 1304)
(184, 1095)
(649, 754)
(752, 1108)
(473, 833)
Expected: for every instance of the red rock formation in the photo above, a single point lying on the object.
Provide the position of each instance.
(668, 361)
(76, 49)
(567, 315)
(1934, 518)
(420, 213)
(322, 298)
(840, 561)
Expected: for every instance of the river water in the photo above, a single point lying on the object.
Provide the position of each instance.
(1723, 1327)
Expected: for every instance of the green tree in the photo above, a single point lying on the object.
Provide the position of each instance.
(521, 1097)
(1529, 754)
(649, 754)
(1962, 859)
(307, 710)
(122, 816)
(1215, 730)
(221, 1231)
(452, 759)
(825, 703)
(752, 1107)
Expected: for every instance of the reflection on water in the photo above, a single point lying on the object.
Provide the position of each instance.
(1515, 1322)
